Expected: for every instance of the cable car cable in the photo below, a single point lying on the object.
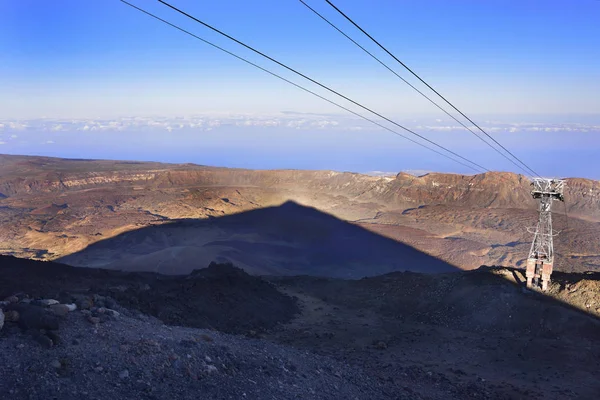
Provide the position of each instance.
(426, 84)
(295, 84)
(320, 84)
(411, 85)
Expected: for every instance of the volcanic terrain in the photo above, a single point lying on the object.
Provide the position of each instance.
(221, 333)
(148, 280)
(162, 217)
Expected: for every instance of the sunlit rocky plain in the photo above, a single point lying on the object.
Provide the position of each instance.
(173, 218)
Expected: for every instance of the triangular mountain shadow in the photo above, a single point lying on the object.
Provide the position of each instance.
(289, 239)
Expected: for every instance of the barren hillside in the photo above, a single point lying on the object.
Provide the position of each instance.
(84, 332)
(52, 208)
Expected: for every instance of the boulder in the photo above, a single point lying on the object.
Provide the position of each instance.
(381, 345)
(210, 369)
(53, 335)
(42, 339)
(83, 302)
(60, 310)
(108, 311)
(33, 317)
(99, 300)
(45, 302)
(110, 303)
(71, 307)
(11, 316)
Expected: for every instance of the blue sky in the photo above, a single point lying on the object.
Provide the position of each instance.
(509, 61)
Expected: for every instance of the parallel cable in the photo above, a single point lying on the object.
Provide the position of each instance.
(409, 84)
(429, 86)
(295, 84)
(319, 84)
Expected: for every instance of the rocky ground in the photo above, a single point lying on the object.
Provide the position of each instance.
(471, 329)
(129, 356)
(220, 297)
(220, 333)
(91, 345)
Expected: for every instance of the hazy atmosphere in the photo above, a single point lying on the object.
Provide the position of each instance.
(98, 79)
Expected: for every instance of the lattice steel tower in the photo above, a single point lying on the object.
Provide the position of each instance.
(541, 255)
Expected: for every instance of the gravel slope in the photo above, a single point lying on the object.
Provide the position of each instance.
(139, 357)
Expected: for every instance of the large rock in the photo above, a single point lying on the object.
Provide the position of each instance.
(47, 302)
(108, 311)
(61, 310)
(11, 316)
(1, 319)
(83, 302)
(34, 317)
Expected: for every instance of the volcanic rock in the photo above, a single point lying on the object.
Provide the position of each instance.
(60, 310)
(34, 317)
(11, 316)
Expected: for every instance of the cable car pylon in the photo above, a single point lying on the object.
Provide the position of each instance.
(541, 256)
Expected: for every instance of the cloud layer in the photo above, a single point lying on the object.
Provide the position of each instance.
(287, 120)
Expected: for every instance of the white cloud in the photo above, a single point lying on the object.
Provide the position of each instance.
(297, 121)
(49, 141)
(2, 142)
(16, 125)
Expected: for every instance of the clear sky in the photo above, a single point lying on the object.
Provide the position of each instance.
(500, 61)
